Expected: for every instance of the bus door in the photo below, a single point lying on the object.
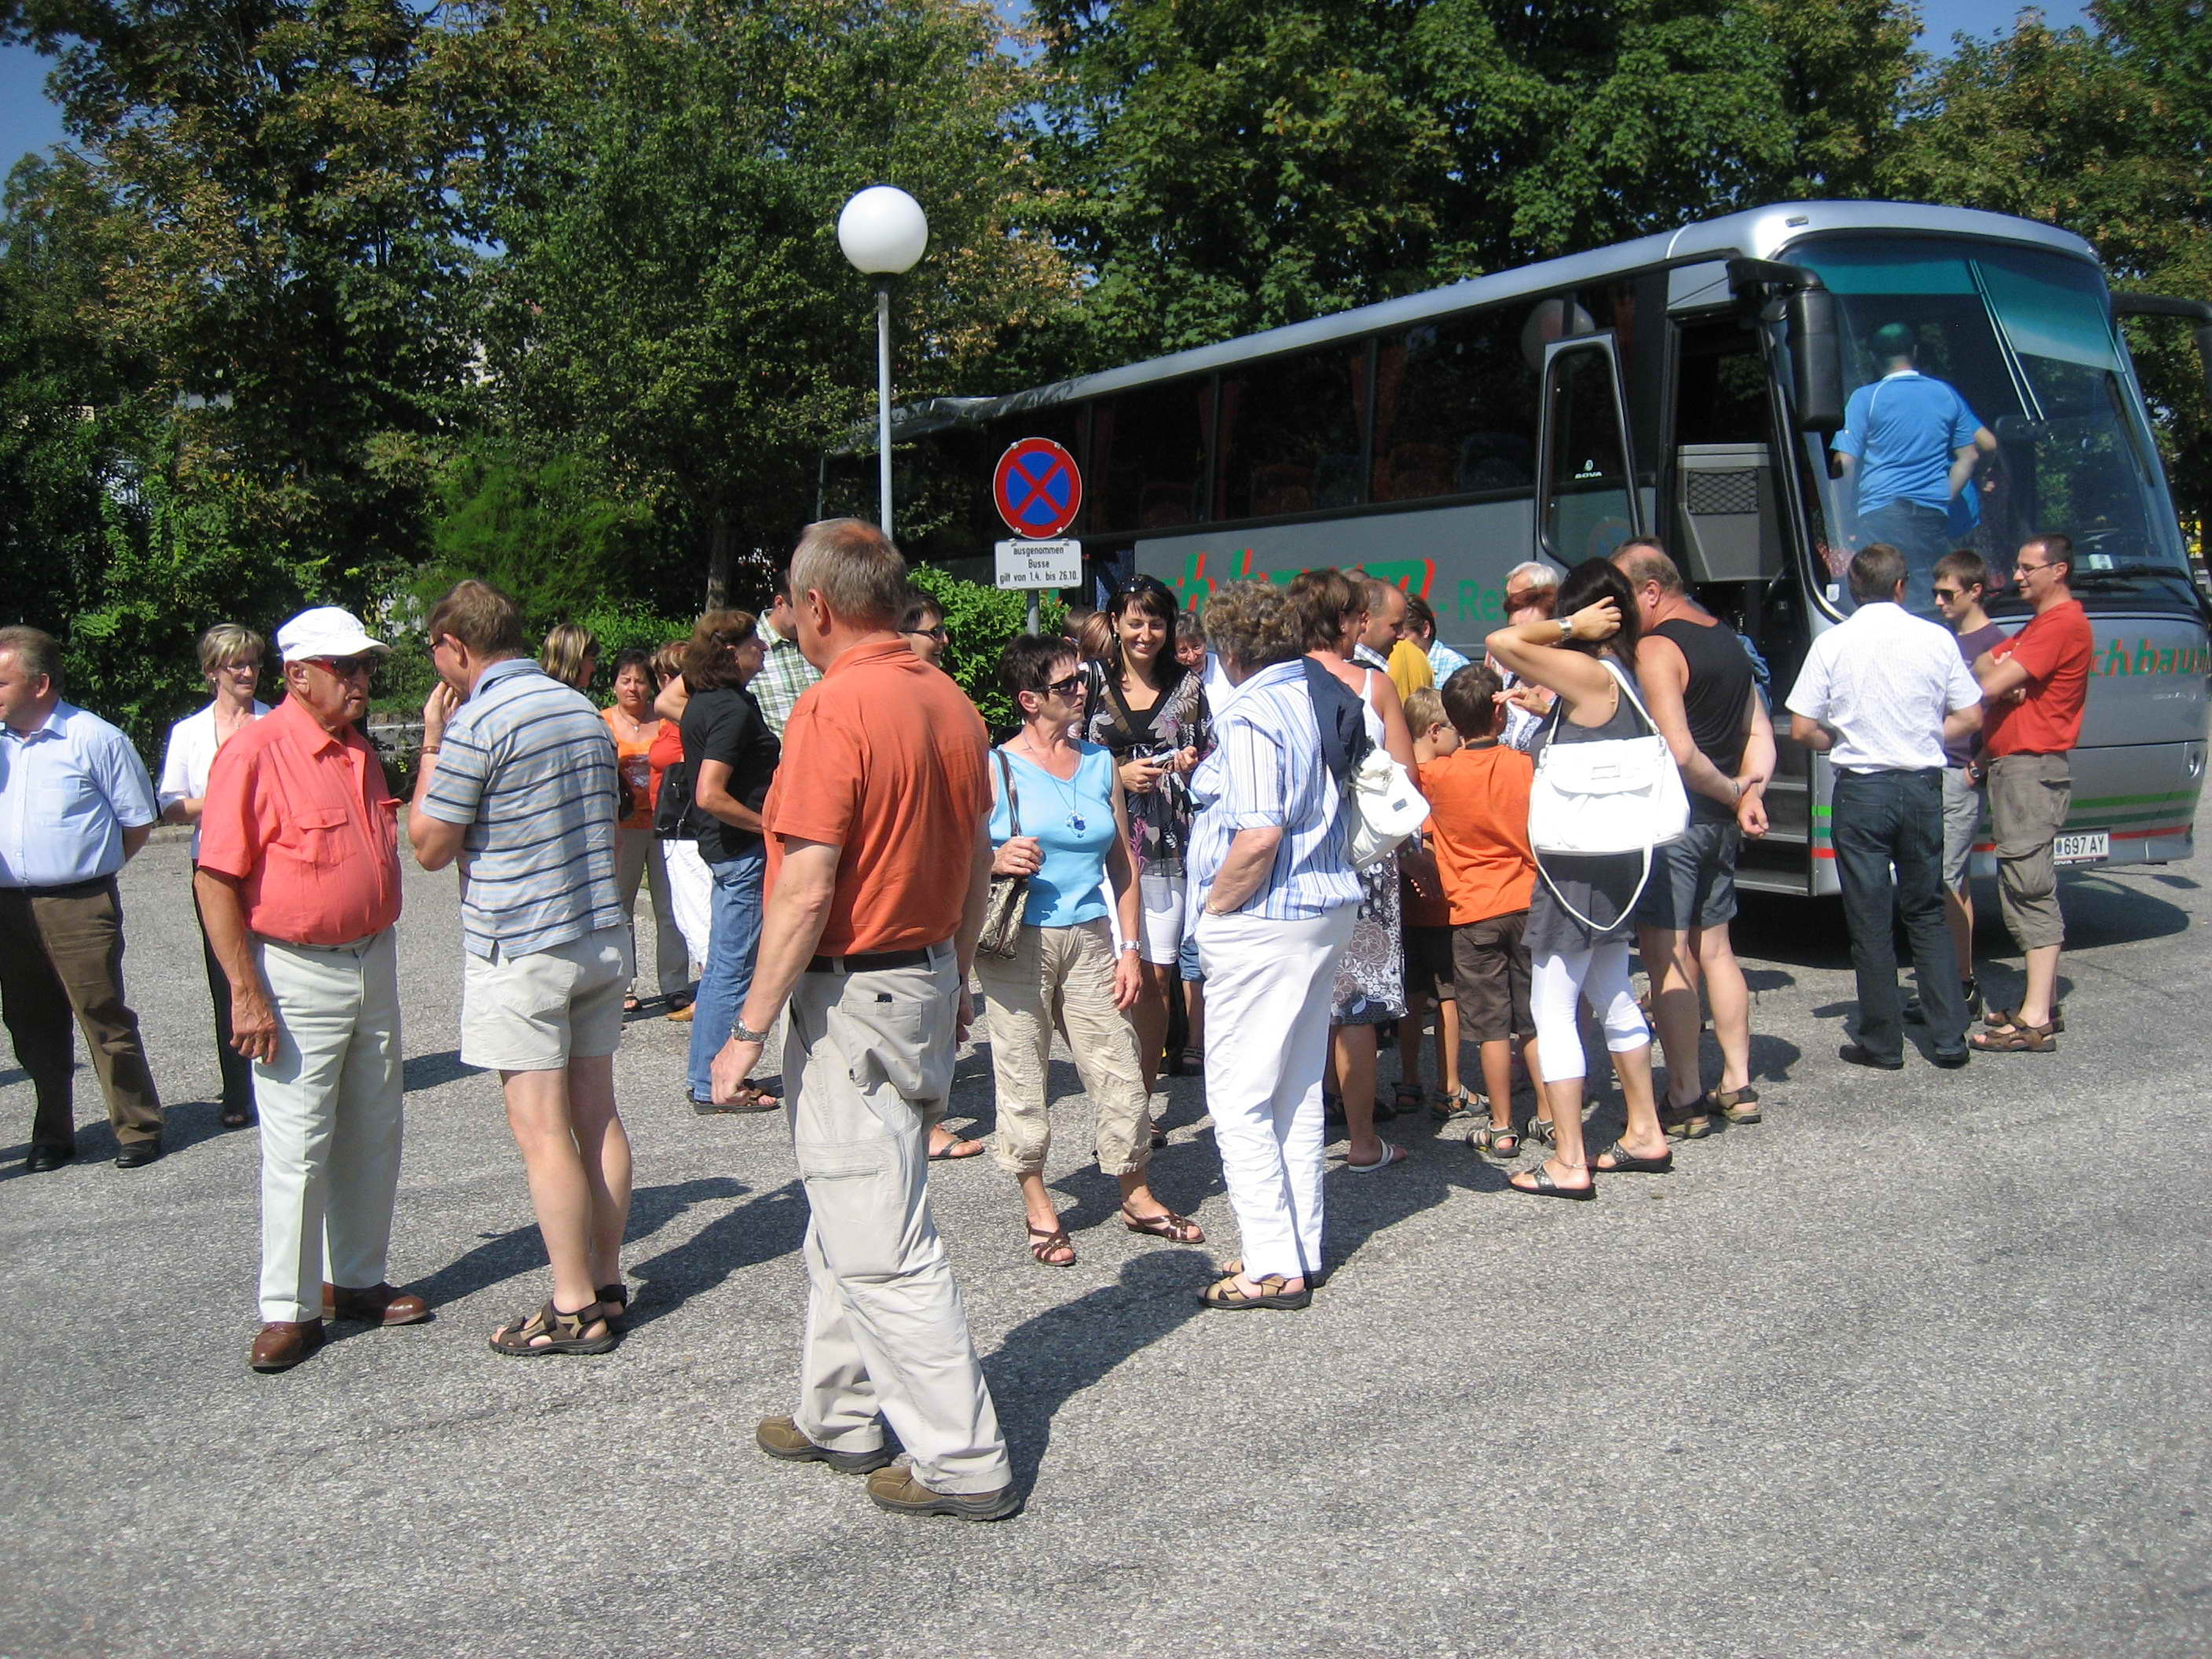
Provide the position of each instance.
(1587, 502)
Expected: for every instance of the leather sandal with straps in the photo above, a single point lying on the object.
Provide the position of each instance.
(2016, 1039)
(1541, 1185)
(1738, 1105)
(564, 1332)
(1997, 1018)
(1045, 1241)
(1226, 1295)
(1175, 1229)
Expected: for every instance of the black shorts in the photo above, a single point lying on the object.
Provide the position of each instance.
(1428, 963)
(1491, 963)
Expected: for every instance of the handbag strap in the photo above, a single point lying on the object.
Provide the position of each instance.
(1615, 669)
(1014, 797)
(1628, 910)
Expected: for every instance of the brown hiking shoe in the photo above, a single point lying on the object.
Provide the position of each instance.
(781, 1437)
(897, 1490)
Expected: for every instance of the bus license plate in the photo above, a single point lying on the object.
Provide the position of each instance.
(2085, 847)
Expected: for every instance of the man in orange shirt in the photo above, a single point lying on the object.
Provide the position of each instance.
(879, 859)
(1479, 828)
(2035, 686)
(299, 882)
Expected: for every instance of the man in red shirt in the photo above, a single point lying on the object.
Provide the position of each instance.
(2034, 686)
(879, 859)
(298, 881)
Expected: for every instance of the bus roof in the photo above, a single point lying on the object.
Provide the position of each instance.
(1756, 234)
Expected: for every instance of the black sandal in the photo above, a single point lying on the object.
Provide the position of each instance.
(1543, 1132)
(1627, 1162)
(1544, 1187)
(616, 1299)
(1493, 1142)
(564, 1332)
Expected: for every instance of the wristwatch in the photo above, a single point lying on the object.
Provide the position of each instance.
(744, 1033)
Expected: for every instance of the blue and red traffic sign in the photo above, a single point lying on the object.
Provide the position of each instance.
(1037, 489)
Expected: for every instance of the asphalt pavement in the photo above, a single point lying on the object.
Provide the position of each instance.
(1917, 1365)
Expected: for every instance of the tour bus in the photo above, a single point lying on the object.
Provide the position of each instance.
(1685, 384)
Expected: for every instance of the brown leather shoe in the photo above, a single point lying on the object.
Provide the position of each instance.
(896, 1490)
(284, 1343)
(380, 1304)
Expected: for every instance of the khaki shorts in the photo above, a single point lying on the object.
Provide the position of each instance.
(1962, 815)
(537, 1013)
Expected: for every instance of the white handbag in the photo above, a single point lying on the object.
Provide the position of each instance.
(1606, 796)
(1384, 808)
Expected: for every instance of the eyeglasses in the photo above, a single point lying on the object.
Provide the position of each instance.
(348, 668)
(2026, 569)
(1947, 592)
(1067, 687)
(939, 632)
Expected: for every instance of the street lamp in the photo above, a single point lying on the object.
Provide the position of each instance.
(883, 231)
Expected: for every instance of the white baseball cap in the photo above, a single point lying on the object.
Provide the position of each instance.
(326, 631)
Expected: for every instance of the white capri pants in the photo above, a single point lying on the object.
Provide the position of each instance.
(1600, 974)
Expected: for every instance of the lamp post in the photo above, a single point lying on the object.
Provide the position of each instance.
(883, 231)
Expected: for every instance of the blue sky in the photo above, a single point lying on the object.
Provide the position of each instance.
(28, 121)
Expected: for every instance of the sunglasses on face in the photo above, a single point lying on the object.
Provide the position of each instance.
(348, 668)
(939, 632)
(1946, 592)
(1067, 687)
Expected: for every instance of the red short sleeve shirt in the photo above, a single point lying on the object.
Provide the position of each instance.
(2057, 649)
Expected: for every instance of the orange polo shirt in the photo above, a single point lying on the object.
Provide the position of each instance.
(885, 757)
(305, 823)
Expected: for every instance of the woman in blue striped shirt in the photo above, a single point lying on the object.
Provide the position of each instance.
(1276, 896)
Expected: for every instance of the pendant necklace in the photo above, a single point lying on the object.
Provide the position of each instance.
(1075, 820)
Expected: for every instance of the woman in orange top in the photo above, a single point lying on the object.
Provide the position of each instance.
(637, 849)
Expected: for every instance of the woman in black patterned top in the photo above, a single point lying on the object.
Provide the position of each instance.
(1150, 711)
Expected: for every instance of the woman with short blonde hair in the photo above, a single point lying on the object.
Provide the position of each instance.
(571, 655)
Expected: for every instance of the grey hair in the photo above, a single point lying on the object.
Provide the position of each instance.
(1538, 573)
(855, 566)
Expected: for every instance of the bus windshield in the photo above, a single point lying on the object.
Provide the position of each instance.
(2044, 394)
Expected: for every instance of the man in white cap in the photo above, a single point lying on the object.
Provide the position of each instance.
(298, 880)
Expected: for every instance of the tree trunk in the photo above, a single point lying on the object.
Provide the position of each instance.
(718, 562)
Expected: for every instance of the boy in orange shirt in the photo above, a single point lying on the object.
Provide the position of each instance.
(1479, 828)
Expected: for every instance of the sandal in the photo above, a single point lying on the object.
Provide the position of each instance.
(1541, 1185)
(1449, 1108)
(1390, 1155)
(953, 1150)
(1175, 1229)
(237, 1117)
(2013, 1039)
(1543, 1132)
(1406, 1099)
(1627, 1162)
(1226, 1295)
(616, 1299)
(631, 1005)
(2001, 1017)
(1738, 1105)
(1692, 1122)
(1045, 1241)
(1491, 1141)
(564, 1332)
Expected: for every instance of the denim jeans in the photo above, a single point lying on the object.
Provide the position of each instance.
(728, 975)
(1880, 819)
(1922, 534)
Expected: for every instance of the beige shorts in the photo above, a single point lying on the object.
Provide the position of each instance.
(537, 1013)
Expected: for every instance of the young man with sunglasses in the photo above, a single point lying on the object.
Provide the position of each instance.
(299, 883)
(2034, 685)
(1961, 580)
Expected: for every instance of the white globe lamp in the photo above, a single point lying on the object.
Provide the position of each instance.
(883, 231)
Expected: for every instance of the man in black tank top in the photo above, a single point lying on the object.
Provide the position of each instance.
(1700, 685)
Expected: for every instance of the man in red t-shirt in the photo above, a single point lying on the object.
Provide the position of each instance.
(2034, 686)
(878, 860)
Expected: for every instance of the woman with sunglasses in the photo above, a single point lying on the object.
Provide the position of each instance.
(1148, 711)
(230, 662)
(1058, 818)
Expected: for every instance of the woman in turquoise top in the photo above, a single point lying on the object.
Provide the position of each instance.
(1059, 817)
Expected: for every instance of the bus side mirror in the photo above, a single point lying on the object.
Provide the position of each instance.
(1816, 360)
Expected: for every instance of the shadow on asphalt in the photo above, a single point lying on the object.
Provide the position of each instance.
(1047, 1361)
(429, 1071)
(769, 1224)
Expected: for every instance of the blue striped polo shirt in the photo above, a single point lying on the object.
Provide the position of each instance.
(528, 766)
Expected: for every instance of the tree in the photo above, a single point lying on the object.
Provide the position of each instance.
(664, 184)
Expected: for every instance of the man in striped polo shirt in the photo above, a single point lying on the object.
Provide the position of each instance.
(519, 783)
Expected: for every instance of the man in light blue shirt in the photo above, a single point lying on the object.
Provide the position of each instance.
(74, 804)
(1909, 444)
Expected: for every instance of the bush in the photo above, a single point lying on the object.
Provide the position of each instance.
(981, 621)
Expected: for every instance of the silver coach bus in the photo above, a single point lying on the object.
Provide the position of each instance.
(1685, 384)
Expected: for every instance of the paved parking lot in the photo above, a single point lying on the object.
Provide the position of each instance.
(1917, 1365)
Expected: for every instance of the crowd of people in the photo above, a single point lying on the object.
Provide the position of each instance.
(1166, 835)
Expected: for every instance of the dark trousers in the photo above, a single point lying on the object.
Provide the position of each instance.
(1881, 818)
(61, 953)
(237, 1069)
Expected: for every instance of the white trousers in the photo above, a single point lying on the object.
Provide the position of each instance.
(866, 1068)
(639, 858)
(690, 895)
(1267, 988)
(1555, 979)
(330, 1105)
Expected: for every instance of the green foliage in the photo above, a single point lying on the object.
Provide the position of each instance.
(981, 620)
(547, 533)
